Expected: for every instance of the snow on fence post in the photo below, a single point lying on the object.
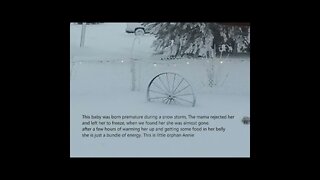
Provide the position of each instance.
(133, 65)
(83, 34)
(133, 75)
(211, 73)
(139, 76)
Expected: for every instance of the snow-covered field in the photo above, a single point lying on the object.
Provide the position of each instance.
(100, 84)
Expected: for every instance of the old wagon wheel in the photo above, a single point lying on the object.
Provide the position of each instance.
(171, 88)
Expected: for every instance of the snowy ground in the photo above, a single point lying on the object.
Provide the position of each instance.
(101, 85)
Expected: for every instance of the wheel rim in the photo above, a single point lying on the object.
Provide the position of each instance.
(170, 88)
(139, 32)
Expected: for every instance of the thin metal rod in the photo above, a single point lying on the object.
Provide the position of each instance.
(168, 82)
(174, 78)
(158, 92)
(163, 84)
(184, 100)
(158, 97)
(158, 86)
(184, 94)
(177, 86)
(165, 100)
(182, 89)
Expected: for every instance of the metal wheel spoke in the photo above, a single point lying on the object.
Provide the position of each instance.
(182, 89)
(163, 97)
(174, 78)
(188, 94)
(183, 100)
(158, 86)
(158, 92)
(166, 99)
(168, 82)
(163, 84)
(176, 102)
(177, 86)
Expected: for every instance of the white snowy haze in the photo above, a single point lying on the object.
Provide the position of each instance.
(101, 84)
